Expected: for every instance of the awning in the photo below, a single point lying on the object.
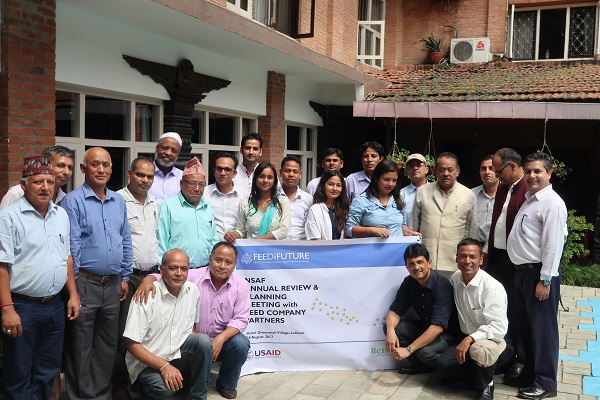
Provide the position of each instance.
(477, 110)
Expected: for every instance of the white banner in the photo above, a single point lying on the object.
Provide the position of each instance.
(320, 305)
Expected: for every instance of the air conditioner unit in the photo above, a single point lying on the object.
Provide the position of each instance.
(470, 50)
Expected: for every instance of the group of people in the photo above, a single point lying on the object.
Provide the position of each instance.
(505, 288)
(102, 246)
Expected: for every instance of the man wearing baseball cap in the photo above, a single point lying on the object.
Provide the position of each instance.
(416, 170)
(166, 175)
(186, 221)
(35, 264)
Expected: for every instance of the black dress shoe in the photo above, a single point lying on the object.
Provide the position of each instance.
(487, 394)
(227, 393)
(515, 370)
(535, 393)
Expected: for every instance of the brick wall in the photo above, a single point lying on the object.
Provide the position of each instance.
(27, 83)
(272, 126)
(336, 24)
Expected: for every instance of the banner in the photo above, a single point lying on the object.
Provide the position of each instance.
(320, 305)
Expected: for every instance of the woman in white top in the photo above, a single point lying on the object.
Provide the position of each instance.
(327, 216)
(265, 215)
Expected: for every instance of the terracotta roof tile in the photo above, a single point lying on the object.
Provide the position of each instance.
(523, 82)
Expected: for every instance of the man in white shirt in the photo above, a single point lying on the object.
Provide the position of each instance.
(333, 160)
(535, 246)
(161, 342)
(484, 197)
(166, 175)
(142, 215)
(481, 304)
(251, 150)
(371, 153)
(300, 201)
(62, 160)
(224, 196)
(416, 169)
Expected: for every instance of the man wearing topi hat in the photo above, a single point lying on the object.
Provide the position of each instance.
(186, 221)
(166, 174)
(35, 264)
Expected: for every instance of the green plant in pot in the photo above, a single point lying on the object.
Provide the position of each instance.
(398, 155)
(434, 47)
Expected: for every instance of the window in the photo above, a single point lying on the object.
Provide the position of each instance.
(301, 141)
(371, 27)
(124, 126)
(243, 7)
(218, 131)
(284, 16)
(554, 33)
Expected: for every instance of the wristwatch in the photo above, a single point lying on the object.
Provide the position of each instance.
(410, 349)
(546, 282)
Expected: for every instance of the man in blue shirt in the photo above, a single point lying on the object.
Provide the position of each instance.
(35, 264)
(101, 248)
(186, 221)
(430, 295)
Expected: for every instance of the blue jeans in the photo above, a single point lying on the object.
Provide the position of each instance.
(32, 361)
(233, 355)
(196, 358)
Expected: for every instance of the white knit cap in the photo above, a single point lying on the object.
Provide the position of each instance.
(173, 135)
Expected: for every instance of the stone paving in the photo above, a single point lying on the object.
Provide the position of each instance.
(390, 385)
(578, 370)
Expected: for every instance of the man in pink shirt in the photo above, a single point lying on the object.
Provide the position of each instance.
(224, 310)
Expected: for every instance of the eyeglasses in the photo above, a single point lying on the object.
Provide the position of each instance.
(194, 184)
(502, 169)
(226, 169)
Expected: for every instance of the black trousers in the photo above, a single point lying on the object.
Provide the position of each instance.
(469, 372)
(537, 323)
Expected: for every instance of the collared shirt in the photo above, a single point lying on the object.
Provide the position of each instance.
(249, 221)
(408, 194)
(311, 187)
(433, 302)
(485, 207)
(229, 306)
(181, 226)
(539, 232)
(35, 248)
(100, 236)
(299, 206)
(15, 193)
(481, 306)
(500, 228)
(356, 184)
(165, 186)
(143, 224)
(242, 180)
(162, 324)
(225, 207)
(368, 211)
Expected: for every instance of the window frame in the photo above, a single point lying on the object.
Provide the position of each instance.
(307, 152)
(566, 49)
(364, 27)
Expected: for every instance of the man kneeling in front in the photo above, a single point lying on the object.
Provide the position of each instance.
(162, 344)
(481, 304)
(225, 307)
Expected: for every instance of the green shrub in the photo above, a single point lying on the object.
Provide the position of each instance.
(574, 274)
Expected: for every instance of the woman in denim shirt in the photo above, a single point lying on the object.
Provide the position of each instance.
(379, 211)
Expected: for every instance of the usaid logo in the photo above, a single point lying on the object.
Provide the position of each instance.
(246, 258)
(270, 353)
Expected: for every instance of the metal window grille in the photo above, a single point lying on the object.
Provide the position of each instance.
(524, 35)
(581, 35)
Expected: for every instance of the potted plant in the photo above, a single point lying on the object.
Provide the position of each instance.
(430, 162)
(398, 156)
(434, 47)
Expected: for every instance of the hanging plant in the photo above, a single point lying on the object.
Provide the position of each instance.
(430, 162)
(396, 154)
(559, 169)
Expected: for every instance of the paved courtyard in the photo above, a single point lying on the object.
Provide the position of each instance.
(578, 371)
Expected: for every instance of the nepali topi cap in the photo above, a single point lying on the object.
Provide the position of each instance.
(193, 167)
(172, 135)
(35, 165)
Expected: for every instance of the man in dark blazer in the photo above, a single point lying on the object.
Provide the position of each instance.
(509, 198)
